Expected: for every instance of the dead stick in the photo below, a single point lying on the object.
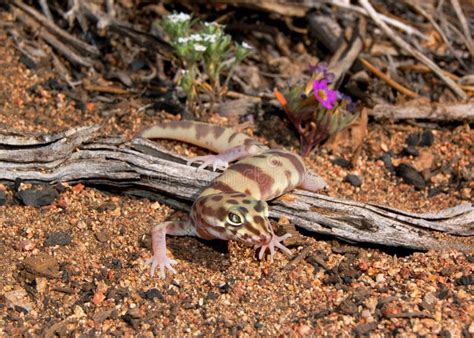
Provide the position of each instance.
(70, 54)
(435, 25)
(75, 42)
(388, 79)
(464, 25)
(414, 52)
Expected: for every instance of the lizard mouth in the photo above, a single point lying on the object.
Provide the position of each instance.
(262, 240)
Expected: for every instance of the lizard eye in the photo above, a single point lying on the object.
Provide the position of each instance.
(234, 219)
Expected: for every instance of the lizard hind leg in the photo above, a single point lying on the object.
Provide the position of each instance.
(313, 182)
(222, 160)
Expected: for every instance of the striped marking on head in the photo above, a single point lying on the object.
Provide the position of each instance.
(233, 216)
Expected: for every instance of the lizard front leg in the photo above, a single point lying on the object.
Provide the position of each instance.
(158, 241)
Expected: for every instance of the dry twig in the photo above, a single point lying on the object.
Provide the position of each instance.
(390, 21)
(464, 25)
(60, 33)
(68, 53)
(392, 83)
(414, 52)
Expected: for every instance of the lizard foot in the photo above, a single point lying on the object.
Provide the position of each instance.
(163, 262)
(209, 160)
(275, 242)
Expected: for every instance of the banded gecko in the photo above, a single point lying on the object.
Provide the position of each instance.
(233, 206)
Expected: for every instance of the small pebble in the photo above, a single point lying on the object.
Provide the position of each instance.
(410, 175)
(152, 294)
(413, 139)
(387, 161)
(58, 238)
(3, 197)
(37, 196)
(355, 180)
(427, 138)
(380, 278)
(410, 151)
(342, 162)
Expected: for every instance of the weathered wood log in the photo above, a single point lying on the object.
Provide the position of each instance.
(142, 168)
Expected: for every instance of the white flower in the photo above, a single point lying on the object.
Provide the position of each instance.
(183, 39)
(199, 48)
(180, 17)
(212, 38)
(247, 46)
(195, 37)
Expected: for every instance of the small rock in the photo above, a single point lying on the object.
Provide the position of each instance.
(107, 206)
(151, 294)
(18, 300)
(428, 302)
(342, 162)
(443, 292)
(387, 161)
(303, 329)
(348, 307)
(471, 328)
(41, 265)
(410, 151)
(354, 180)
(133, 322)
(211, 295)
(58, 238)
(102, 236)
(413, 139)
(3, 197)
(433, 191)
(427, 139)
(117, 294)
(37, 196)
(317, 260)
(25, 245)
(465, 280)
(364, 329)
(99, 317)
(380, 278)
(410, 175)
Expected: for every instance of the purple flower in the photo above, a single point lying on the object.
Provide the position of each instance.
(321, 71)
(323, 94)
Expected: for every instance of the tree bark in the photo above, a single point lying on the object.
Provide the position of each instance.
(140, 167)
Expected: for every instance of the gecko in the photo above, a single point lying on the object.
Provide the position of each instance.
(234, 205)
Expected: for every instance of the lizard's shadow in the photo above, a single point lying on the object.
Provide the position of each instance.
(213, 254)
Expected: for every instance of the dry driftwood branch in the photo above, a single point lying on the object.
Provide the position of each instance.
(142, 168)
(414, 52)
(421, 109)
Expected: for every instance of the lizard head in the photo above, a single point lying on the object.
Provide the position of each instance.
(232, 216)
